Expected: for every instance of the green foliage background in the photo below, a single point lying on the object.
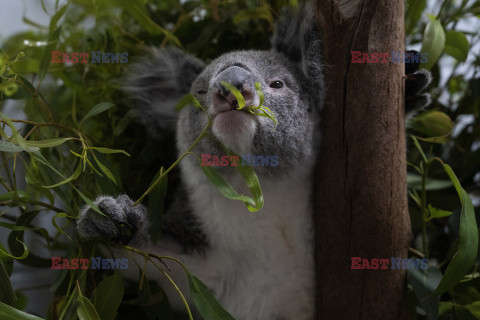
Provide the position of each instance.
(73, 108)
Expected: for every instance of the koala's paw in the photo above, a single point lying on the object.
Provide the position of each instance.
(416, 81)
(121, 223)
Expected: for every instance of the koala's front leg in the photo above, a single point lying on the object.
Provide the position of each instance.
(124, 224)
(121, 222)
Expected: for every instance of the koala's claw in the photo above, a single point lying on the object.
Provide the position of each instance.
(120, 223)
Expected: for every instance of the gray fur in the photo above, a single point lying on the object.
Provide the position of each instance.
(157, 82)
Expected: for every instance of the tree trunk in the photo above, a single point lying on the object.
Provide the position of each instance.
(361, 192)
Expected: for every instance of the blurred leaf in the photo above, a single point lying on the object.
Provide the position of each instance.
(435, 125)
(56, 17)
(433, 43)
(108, 296)
(141, 16)
(424, 283)
(9, 313)
(7, 295)
(474, 309)
(205, 302)
(11, 147)
(456, 45)
(414, 10)
(468, 245)
(99, 108)
(85, 310)
(261, 13)
(156, 201)
(47, 53)
(187, 100)
(415, 182)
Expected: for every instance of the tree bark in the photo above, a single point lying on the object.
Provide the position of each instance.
(361, 193)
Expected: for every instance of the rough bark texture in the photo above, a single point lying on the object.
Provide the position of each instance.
(361, 193)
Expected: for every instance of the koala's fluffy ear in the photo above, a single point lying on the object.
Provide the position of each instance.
(297, 37)
(156, 84)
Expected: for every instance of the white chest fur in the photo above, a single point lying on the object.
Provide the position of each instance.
(260, 265)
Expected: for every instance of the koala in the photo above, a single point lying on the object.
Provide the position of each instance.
(259, 266)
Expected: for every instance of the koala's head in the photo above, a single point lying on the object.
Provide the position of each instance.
(290, 75)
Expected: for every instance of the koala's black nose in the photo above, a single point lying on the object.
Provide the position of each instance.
(239, 77)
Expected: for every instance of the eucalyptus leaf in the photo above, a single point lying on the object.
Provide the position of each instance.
(108, 296)
(47, 53)
(424, 283)
(456, 45)
(86, 310)
(7, 295)
(468, 244)
(99, 108)
(433, 43)
(205, 302)
(10, 313)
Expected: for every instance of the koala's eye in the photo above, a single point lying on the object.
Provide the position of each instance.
(276, 84)
(201, 91)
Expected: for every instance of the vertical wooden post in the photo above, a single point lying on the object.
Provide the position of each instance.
(361, 193)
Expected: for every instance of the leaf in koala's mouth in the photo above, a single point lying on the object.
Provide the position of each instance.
(260, 110)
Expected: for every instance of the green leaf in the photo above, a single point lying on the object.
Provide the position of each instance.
(105, 170)
(259, 13)
(438, 213)
(224, 187)
(99, 108)
(468, 244)
(424, 283)
(47, 53)
(11, 147)
(415, 182)
(138, 12)
(187, 100)
(74, 176)
(261, 96)
(206, 304)
(107, 150)
(433, 43)
(413, 13)
(474, 309)
(7, 295)
(9, 313)
(86, 310)
(435, 125)
(4, 253)
(108, 296)
(54, 223)
(156, 201)
(238, 95)
(89, 202)
(456, 45)
(47, 143)
(56, 17)
(253, 184)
